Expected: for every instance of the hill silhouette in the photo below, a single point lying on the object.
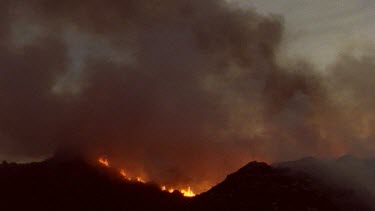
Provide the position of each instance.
(258, 186)
(71, 183)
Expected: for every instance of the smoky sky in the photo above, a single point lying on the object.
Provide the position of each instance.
(318, 30)
(179, 91)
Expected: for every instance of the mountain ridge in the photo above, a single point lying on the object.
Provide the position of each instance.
(71, 183)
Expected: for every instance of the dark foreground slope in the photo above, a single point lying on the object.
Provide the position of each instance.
(73, 184)
(258, 186)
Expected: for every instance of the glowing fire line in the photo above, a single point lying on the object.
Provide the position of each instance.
(104, 162)
(185, 192)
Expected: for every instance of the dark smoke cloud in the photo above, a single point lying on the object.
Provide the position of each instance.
(176, 90)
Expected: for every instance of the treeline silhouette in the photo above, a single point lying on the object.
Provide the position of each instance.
(69, 183)
(73, 184)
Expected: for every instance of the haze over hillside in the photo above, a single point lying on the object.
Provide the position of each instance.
(184, 92)
(72, 183)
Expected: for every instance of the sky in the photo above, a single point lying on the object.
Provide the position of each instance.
(186, 91)
(320, 29)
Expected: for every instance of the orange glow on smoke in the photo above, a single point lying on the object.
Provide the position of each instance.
(185, 192)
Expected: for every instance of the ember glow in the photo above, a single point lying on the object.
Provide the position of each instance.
(184, 91)
(124, 175)
(139, 179)
(187, 192)
(104, 161)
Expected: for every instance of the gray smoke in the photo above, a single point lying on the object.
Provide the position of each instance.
(180, 91)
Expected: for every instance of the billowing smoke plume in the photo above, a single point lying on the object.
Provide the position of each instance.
(181, 91)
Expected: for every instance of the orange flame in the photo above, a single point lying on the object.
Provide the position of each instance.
(139, 179)
(185, 192)
(103, 161)
(123, 174)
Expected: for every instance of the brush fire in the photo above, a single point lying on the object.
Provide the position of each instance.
(186, 192)
(104, 162)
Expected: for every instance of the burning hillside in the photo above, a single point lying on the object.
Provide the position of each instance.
(72, 184)
(175, 92)
(185, 192)
(181, 91)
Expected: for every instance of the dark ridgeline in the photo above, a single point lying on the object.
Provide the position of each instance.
(70, 183)
(258, 186)
(73, 184)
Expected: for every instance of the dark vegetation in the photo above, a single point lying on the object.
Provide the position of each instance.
(258, 186)
(73, 184)
(70, 183)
